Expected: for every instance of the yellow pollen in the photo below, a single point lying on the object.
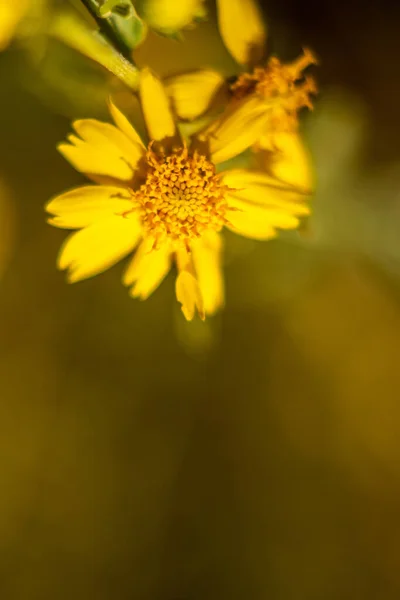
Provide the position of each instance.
(283, 85)
(181, 197)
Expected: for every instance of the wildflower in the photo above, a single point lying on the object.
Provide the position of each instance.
(170, 16)
(167, 199)
(278, 89)
(11, 14)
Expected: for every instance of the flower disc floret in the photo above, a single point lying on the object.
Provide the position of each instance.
(182, 195)
(282, 83)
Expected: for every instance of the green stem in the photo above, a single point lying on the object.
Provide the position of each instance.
(109, 29)
(71, 30)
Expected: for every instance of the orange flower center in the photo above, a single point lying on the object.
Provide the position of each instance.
(284, 85)
(181, 197)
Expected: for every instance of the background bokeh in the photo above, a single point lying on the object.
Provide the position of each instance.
(256, 455)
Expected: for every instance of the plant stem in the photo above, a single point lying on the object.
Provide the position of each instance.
(109, 29)
(71, 30)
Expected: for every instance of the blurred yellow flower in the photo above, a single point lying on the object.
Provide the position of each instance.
(167, 199)
(11, 14)
(170, 16)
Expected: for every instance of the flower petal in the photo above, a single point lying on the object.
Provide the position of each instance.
(236, 130)
(249, 222)
(193, 93)
(155, 105)
(260, 204)
(187, 288)
(147, 269)
(206, 254)
(169, 16)
(94, 249)
(262, 190)
(83, 206)
(242, 29)
(101, 149)
(285, 156)
(123, 124)
(188, 294)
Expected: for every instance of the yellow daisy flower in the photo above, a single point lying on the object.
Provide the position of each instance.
(167, 199)
(280, 90)
(11, 14)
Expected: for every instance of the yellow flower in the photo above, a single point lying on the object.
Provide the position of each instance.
(170, 16)
(167, 198)
(11, 14)
(280, 90)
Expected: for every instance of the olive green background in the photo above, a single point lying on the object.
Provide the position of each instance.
(256, 455)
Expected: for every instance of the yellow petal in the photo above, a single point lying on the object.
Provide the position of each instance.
(236, 130)
(188, 294)
(169, 16)
(101, 149)
(155, 105)
(123, 124)
(249, 222)
(193, 93)
(83, 206)
(147, 269)
(109, 138)
(242, 29)
(261, 204)
(187, 288)
(262, 190)
(285, 156)
(94, 249)
(206, 254)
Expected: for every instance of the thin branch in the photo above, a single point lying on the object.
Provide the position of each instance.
(109, 29)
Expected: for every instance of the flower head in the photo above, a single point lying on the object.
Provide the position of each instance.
(167, 198)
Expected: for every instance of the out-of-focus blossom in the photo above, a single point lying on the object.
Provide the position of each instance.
(23, 19)
(11, 14)
(170, 16)
(166, 198)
